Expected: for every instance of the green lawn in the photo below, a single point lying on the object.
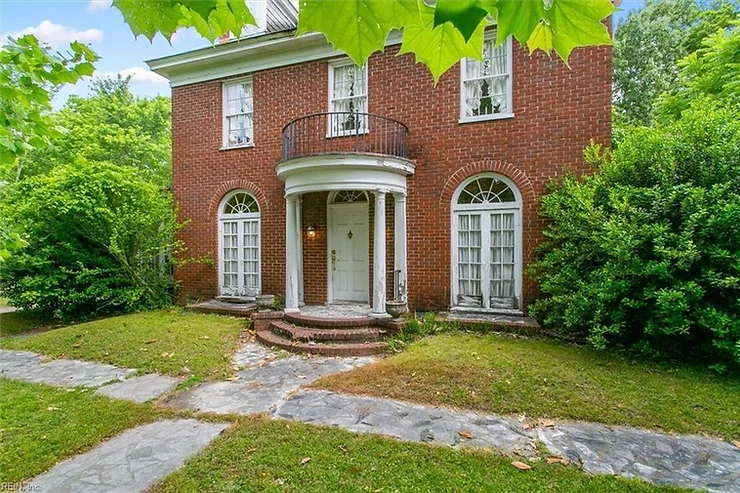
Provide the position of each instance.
(172, 342)
(41, 425)
(541, 378)
(265, 455)
(20, 321)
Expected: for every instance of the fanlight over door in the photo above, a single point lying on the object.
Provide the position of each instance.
(239, 246)
(486, 244)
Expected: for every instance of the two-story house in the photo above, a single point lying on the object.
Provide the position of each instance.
(302, 175)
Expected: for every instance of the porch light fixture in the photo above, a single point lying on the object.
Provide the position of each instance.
(311, 232)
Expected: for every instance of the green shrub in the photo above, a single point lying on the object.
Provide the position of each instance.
(645, 253)
(95, 232)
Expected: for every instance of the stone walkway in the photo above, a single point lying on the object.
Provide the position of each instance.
(271, 383)
(131, 462)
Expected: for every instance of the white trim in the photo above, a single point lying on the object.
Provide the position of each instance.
(330, 206)
(333, 64)
(238, 217)
(247, 56)
(515, 207)
(509, 86)
(224, 117)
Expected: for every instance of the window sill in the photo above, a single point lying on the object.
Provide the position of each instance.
(348, 133)
(231, 148)
(485, 118)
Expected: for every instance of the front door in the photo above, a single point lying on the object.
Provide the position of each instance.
(348, 251)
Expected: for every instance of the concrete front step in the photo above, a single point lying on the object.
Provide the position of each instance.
(223, 308)
(271, 339)
(303, 334)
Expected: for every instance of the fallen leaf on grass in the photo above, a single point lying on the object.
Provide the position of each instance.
(554, 460)
(305, 460)
(76, 345)
(51, 408)
(233, 379)
(527, 426)
(206, 337)
(344, 449)
(465, 434)
(736, 443)
(547, 423)
(150, 341)
(521, 465)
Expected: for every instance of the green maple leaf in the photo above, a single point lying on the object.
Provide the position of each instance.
(439, 47)
(518, 18)
(359, 27)
(578, 23)
(211, 18)
(465, 15)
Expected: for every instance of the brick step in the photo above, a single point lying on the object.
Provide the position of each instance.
(304, 334)
(271, 339)
(327, 323)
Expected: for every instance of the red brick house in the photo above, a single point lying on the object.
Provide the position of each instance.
(302, 175)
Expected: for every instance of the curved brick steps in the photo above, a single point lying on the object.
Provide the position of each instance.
(329, 323)
(269, 338)
(304, 334)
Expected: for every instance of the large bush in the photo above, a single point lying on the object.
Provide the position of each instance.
(645, 253)
(98, 236)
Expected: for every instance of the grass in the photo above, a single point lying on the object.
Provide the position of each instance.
(171, 342)
(539, 379)
(20, 321)
(266, 455)
(41, 425)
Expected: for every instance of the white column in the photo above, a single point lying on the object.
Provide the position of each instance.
(379, 257)
(291, 265)
(399, 239)
(299, 246)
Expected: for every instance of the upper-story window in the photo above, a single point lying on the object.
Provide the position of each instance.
(238, 122)
(485, 87)
(347, 98)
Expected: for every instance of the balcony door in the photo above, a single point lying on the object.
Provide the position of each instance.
(348, 247)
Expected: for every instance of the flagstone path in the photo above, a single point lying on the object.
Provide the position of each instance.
(269, 383)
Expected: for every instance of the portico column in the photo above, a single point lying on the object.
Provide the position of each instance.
(291, 264)
(299, 246)
(399, 243)
(379, 257)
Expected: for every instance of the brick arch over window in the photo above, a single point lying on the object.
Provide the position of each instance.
(516, 175)
(231, 185)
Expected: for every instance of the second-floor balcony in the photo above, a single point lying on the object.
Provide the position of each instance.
(344, 133)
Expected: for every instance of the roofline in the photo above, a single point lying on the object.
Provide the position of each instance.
(246, 55)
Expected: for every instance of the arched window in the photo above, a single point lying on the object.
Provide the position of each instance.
(349, 197)
(486, 243)
(239, 245)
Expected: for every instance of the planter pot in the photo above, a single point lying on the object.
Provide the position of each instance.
(396, 309)
(265, 301)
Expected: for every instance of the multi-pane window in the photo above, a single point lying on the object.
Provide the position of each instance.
(486, 86)
(238, 121)
(486, 235)
(347, 99)
(240, 246)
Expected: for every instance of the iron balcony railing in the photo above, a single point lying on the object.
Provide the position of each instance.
(344, 132)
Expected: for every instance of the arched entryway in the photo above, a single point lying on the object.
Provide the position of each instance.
(487, 244)
(239, 269)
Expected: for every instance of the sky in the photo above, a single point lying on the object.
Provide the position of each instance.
(95, 22)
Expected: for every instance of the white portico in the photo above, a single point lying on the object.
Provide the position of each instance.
(353, 179)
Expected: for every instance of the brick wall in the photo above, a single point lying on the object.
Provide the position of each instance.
(558, 110)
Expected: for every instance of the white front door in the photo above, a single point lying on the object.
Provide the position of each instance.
(348, 255)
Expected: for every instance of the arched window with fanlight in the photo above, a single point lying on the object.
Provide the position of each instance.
(486, 244)
(239, 245)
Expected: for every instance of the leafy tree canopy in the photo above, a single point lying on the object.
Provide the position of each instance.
(439, 35)
(110, 125)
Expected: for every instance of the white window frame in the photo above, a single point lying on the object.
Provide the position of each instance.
(330, 132)
(225, 116)
(490, 36)
(239, 218)
(484, 210)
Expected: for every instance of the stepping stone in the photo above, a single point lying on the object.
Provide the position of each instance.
(131, 462)
(408, 422)
(680, 460)
(139, 389)
(28, 367)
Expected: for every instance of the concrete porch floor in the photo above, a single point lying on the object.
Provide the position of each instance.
(337, 310)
